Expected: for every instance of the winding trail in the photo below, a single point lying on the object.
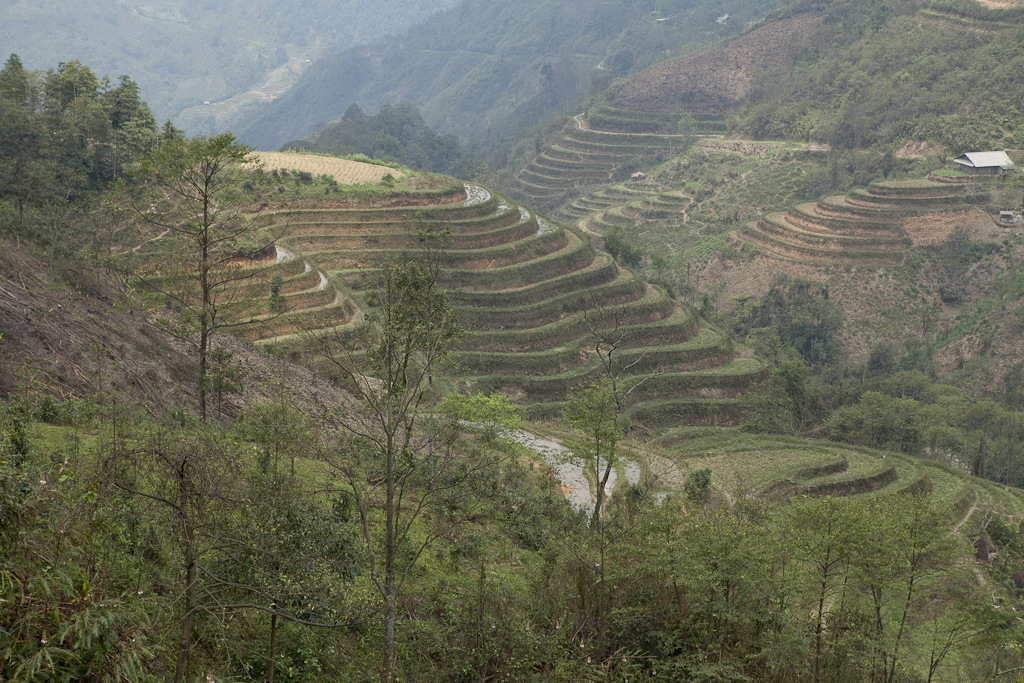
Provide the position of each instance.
(282, 254)
(152, 239)
(967, 516)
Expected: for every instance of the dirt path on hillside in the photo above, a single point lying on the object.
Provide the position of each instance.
(151, 239)
(967, 515)
(1001, 4)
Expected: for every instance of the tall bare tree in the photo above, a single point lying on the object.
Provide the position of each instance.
(394, 472)
(192, 190)
(609, 333)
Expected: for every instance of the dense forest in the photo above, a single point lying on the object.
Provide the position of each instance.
(67, 135)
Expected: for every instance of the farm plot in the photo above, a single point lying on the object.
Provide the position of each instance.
(344, 171)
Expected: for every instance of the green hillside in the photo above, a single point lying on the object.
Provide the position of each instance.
(264, 422)
(856, 262)
(480, 69)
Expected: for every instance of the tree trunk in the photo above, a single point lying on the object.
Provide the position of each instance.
(599, 493)
(273, 642)
(390, 541)
(203, 342)
(185, 640)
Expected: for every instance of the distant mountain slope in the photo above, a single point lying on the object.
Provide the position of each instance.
(185, 52)
(480, 69)
(879, 74)
(708, 81)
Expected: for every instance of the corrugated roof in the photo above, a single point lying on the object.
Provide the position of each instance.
(985, 160)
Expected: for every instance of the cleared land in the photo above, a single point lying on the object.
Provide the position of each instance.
(345, 171)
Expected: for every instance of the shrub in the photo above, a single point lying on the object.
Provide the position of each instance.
(697, 484)
(622, 249)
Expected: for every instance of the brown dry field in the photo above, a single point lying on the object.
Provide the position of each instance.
(344, 171)
(707, 80)
(867, 322)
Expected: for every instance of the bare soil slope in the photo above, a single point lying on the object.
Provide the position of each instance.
(66, 333)
(710, 81)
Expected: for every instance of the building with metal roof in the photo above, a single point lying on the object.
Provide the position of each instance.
(985, 163)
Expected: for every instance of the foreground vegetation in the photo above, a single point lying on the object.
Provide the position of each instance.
(264, 545)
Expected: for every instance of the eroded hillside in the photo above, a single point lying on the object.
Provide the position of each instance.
(709, 82)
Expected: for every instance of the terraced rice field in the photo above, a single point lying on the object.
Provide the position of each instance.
(864, 226)
(583, 158)
(345, 171)
(532, 293)
(744, 465)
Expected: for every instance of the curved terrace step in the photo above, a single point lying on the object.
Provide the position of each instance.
(707, 349)
(807, 217)
(841, 206)
(624, 289)
(914, 189)
(529, 287)
(533, 177)
(781, 227)
(728, 380)
(865, 197)
(599, 271)
(358, 241)
(655, 319)
(752, 233)
(539, 191)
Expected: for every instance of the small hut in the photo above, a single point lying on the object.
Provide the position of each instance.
(985, 163)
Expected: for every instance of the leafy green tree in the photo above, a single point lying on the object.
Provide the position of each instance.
(803, 316)
(387, 148)
(910, 555)
(491, 417)
(593, 413)
(134, 129)
(826, 534)
(184, 475)
(276, 300)
(14, 82)
(698, 484)
(287, 556)
(66, 84)
(621, 248)
(62, 619)
(879, 421)
(661, 266)
(686, 128)
(26, 171)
